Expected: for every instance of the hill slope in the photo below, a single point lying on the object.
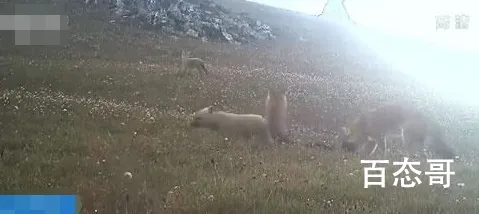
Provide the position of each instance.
(79, 116)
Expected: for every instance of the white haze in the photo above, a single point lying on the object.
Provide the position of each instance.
(453, 76)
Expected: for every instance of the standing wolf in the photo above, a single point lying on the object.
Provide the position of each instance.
(276, 106)
(243, 126)
(373, 127)
(189, 64)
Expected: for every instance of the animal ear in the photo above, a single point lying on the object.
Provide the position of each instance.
(182, 55)
(185, 54)
(345, 130)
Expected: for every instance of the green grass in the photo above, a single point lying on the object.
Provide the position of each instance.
(80, 123)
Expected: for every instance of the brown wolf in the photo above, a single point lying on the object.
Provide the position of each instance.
(373, 127)
(276, 106)
(189, 64)
(245, 126)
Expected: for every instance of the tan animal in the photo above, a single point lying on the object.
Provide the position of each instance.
(189, 64)
(276, 106)
(239, 126)
(372, 128)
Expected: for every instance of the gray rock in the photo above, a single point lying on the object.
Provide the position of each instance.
(195, 18)
(227, 36)
(192, 33)
(168, 29)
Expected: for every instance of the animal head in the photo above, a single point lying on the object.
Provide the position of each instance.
(202, 117)
(184, 57)
(185, 54)
(351, 135)
(347, 135)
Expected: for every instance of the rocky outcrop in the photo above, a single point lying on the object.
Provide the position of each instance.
(202, 19)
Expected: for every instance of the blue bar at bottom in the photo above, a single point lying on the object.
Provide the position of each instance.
(38, 204)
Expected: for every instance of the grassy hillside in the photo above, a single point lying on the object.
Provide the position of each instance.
(78, 117)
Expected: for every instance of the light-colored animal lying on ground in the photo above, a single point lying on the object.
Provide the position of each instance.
(231, 125)
(189, 64)
(373, 127)
(276, 106)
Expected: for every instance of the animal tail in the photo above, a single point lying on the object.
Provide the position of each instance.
(204, 68)
(439, 145)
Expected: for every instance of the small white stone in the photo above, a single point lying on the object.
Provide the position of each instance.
(128, 175)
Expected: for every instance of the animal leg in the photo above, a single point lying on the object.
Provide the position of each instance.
(185, 72)
(402, 137)
(198, 70)
(385, 146)
(371, 146)
(374, 149)
(267, 138)
(203, 67)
